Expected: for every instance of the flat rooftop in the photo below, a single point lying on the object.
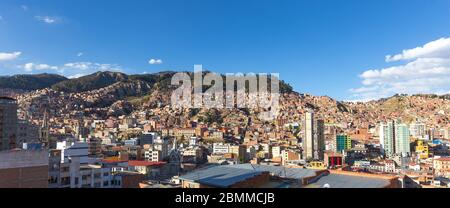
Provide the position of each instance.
(220, 176)
(23, 158)
(227, 175)
(348, 181)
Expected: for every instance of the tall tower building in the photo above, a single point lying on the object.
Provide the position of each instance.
(44, 130)
(394, 138)
(308, 138)
(387, 138)
(319, 139)
(402, 144)
(8, 123)
(343, 142)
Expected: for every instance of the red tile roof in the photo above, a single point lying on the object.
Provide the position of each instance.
(113, 161)
(144, 163)
(443, 159)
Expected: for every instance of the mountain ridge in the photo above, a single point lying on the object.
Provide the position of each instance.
(29, 82)
(101, 79)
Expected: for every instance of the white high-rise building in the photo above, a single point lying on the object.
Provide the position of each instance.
(308, 139)
(417, 130)
(71, 150)
(314, 137)
(402, 143)
(394, 139)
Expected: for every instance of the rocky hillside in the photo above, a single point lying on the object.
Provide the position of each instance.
(111, 93)
(90, 82)
(30, 82)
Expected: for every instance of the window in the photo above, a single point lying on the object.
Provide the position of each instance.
(65, 181)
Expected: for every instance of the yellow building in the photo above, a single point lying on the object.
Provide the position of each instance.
(319, 165)
(422, 149)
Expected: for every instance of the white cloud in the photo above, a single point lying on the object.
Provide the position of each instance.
(155, 61)
(75, 76)
(29, 67)
(24, 7)
(435, 49)
(9, 56)
(78, 69)
(92, 66)
(78, 65)
(71, 70)
(428, 71)
(80, 54)
(48, 19)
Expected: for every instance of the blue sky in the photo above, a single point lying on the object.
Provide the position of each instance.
(319, 47)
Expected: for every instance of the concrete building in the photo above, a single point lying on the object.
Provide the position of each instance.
(314, 138)
(162, 145)
(319, 139)
(276, 151)
(131, 142)
(126, 179)
(149, 169)
(8, 123)
(402, 143)
(71, 150)
(54, 168)
(290, 156)
(308, 138)
(26, 133)
(94, 147)
(332, 159)
(23, 169)
(422, 150)
(147, 138)
(75, 175)
(343, 142)
(417, 130)
(193, 141)
(441, 167)
(193, 154)
(153, 155)
(239, 151)
(394, 139)
(220, 148)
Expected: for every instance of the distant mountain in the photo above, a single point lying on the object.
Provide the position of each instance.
(162, 80)
(30, 81)
(114, 93)
(90, 82)
(159, 81)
